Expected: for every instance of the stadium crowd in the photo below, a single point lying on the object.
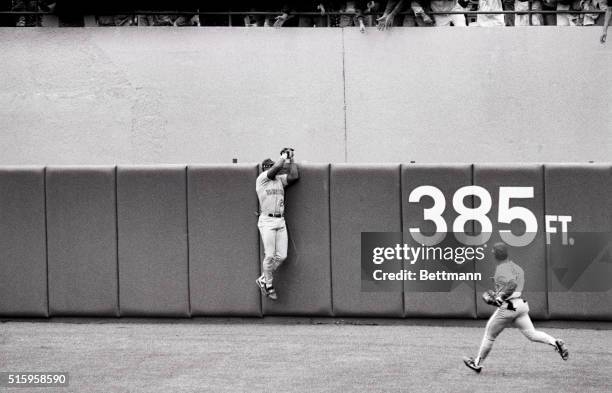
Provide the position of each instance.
(278, 13)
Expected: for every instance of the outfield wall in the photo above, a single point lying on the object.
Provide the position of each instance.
(180, 241)
(109, 96)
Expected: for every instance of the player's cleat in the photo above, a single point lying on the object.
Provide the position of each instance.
(262, 286)
(271, 292)
(472, 364)
(562, 349)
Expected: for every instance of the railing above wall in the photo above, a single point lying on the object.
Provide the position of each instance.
(221, 13)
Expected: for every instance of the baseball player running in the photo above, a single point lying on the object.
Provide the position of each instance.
(270, 187)
(511, 310)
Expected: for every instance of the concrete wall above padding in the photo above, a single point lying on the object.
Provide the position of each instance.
(23, 265)
(82, 241)
(152, 223)
(165, 95)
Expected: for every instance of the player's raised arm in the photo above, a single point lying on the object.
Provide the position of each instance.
(276, 168)
(294, 173)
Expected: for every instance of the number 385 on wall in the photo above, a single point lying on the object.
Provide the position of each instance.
(505, 215)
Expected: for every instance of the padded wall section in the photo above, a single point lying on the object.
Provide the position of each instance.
(431, 298)
(82, 241)
(152, 227)
(303, 281)
(223, 240)
(531, 258)
(580, 275)
(363, 198)
(23, 265)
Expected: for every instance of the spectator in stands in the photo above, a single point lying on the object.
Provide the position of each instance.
(366, 14)
(151, 20)
(419, 15)
(448, 19)
(117, 20)
(523, 19)
(358, 13)
(395, 7)
(591, 5)
(567, 19)
(490, 20)
(508, 5)
(287, 13)
(327, 13)
(107, 14)
(269, 5)
(606, 22)
(23, 6)
(254, 20)
(155, 20)
(549, 19)
(317, 20)
(392, 9)
(187, 20)
(169, 20)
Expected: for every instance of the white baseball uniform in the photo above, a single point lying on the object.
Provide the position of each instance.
(271, 194)
(514, 311)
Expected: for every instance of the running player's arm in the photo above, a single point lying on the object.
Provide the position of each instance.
(514, 285)
(507, 290)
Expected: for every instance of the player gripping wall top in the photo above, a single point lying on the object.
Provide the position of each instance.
(511, 309)
(270, 187)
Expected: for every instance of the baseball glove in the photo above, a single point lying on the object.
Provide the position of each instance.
(290, 152)
(491, 298)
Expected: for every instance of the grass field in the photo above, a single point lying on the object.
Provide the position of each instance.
(302, 355)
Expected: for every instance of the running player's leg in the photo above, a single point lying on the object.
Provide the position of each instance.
(495, 325)
(524, 324)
